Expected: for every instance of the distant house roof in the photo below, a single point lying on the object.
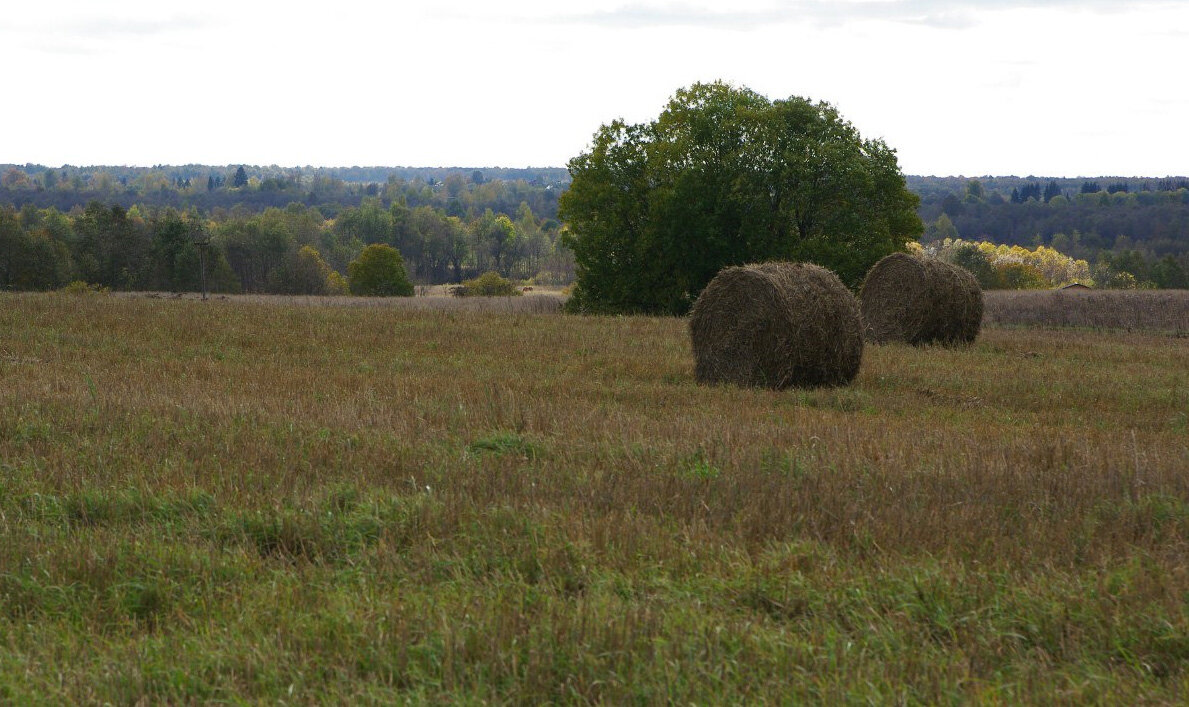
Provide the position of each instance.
(1075, 286)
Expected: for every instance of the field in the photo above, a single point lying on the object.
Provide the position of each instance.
(281, 501)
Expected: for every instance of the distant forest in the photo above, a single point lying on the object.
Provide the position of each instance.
(1121, 225)
(137, 227)
(268, 229)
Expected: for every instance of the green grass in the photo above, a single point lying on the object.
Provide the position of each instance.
(246, 502)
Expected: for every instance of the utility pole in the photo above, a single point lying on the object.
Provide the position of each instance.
(203, 244)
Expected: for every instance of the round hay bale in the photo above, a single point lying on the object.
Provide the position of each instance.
(920, 300)
(776, 325)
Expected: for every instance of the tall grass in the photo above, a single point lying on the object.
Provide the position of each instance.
(240, 501)
(1166, 310)
(537, 302)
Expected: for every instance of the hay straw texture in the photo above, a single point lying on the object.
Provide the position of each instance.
(920, 300)
(776, 325)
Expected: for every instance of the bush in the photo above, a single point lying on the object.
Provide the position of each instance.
(79, 287)
(336, 284)
(379, 271)
(1019, 276)
(302, 273)
(490, 284)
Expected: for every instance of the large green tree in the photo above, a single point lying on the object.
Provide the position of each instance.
(722, 177)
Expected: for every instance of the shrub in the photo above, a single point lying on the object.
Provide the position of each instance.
(79, 287)
(1019, 276)
(336, 284)
(379, 271)
(489, 284)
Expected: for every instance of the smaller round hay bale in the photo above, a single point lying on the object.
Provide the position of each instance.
(920, 300)
(776, 325)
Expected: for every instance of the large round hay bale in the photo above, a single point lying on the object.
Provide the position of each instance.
(920, 300)
(776, 325)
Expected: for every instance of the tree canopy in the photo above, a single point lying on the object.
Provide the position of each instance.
(379, 271)
(722, 177)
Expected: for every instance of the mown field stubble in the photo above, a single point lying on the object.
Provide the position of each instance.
(237, 500)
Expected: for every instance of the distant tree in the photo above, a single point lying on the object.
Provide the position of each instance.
(379, 271)
(303, 273)
(370, 223)
(970, 257)
(336, 284)
(1028, 191)
(112, 250)
(1052, 190)
(12, 246)
(254, 247)
(1117, 187)
(498, 239)
(174, 252)
(1090, 188)
(240, 179)
(15, 179)
(941, 229)
(1126, 260)
(974, 191)
(1167, 273)
(1019, 276)
(952, 205)
(30, 260)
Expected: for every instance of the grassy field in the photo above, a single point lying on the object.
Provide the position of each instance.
(279, 502)
(1152, 310)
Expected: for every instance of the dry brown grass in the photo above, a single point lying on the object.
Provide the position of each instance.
(235, 500)
(533, 302)
(1159, 310)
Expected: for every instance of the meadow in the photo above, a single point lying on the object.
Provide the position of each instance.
(288, 501)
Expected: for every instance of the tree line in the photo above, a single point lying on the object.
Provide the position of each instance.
(1131, 231)
(457, 192)
(292, 250)
(451, 224)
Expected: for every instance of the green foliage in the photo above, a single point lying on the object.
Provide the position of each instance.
(303, 273)
(1019, 276)
(504, 444)
(336, 284)
(941, 229)
(379, 271)
(499, 239)
(30, 260)
(490, 284)
(78, 288)
(977, 262)
(1167, 273)
(722, 177)
(1012, 267)
(1084, 219)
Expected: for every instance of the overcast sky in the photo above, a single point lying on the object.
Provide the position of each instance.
(974, 87)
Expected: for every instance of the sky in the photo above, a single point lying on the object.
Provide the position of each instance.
(1064, 88)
